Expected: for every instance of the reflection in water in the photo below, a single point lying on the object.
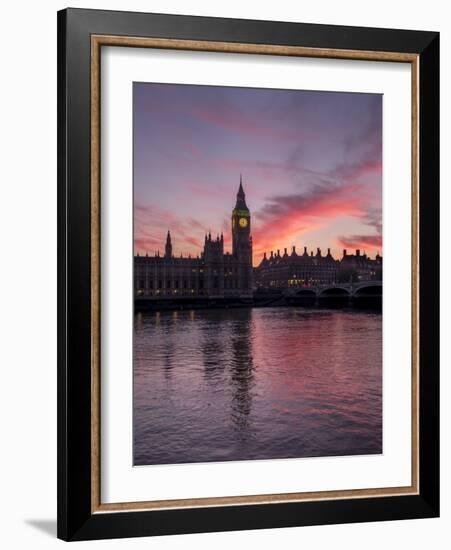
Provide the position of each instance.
(236, 384)
(241, 372)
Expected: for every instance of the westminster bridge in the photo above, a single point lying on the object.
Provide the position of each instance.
(359, 294)
(361, 289)
(362, 293)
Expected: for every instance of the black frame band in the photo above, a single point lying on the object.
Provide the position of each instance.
(75, 520)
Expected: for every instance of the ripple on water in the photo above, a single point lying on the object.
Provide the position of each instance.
(239, 384)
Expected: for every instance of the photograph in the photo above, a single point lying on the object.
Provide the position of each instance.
(257, 273)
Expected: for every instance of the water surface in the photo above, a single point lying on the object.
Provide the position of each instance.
(238, 384)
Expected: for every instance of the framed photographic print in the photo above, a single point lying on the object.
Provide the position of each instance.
(248, 274)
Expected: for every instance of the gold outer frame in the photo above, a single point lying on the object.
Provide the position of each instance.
(97, 41)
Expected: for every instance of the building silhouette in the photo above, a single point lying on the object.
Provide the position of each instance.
(279, 271)
(213, 274)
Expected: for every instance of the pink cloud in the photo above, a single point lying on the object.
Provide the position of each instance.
(372, 242)
(152, 224)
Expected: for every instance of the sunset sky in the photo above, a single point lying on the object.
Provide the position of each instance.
(311, 165)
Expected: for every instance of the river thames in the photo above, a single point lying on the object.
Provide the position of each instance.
(257, 383)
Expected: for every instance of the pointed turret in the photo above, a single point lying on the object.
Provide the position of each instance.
(264, 261)
(168, 247)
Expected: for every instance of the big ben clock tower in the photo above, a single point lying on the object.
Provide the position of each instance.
(242, 242)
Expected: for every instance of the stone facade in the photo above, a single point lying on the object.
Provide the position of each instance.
(308, 269)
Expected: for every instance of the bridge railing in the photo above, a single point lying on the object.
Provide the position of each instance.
(352, 288)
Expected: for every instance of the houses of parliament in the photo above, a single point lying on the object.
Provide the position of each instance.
(213, 274)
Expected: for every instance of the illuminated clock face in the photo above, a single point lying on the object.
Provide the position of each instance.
(243, 222)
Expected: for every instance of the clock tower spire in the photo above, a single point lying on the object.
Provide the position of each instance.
(241, 197)
(242, 241)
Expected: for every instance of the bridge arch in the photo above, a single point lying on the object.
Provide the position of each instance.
(306, 293)
(334, 292)
(374, 290)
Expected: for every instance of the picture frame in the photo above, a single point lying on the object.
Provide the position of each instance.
(81, 36)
